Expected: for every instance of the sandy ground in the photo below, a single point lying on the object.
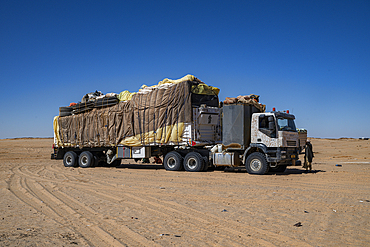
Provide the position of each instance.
(42, 203)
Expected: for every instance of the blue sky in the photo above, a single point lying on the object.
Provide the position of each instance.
(311, 57)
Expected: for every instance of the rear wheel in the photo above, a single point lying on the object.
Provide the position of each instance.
(206, 164)
(116, 163)
(86, 159)
(193, 162)
(173, 161)
(256, 163)
(70, 159)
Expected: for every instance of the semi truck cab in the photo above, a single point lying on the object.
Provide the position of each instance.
(275, 133)
(263, 142)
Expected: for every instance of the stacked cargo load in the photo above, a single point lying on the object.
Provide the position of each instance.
(156, 115)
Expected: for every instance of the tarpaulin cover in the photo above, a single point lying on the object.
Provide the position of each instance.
(153, 115)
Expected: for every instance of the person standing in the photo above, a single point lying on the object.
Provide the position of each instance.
(308, 156)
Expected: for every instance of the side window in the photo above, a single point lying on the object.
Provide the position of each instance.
(267, 126)
(264, 124)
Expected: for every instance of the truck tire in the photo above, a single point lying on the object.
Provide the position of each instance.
(281, 168)
(65, 111)
(86, 159)
(206, 164)
(193, 162)
(115, 163)
(64, 114)
(70, 159)
(256, 163)
(173, 161)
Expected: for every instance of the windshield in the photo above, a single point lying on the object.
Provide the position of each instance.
(285, 124)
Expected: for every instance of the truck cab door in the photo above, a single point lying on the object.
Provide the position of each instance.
(264, 130)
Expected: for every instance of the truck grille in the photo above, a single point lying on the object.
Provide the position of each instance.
(291, 143)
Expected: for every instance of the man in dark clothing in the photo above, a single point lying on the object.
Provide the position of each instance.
(308, 156)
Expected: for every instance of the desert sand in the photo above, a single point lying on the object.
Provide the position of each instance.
(43, 203)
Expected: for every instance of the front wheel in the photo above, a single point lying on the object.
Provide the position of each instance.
(256, 163)
(280, 168)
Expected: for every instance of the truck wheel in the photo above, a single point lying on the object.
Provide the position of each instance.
(86, 159)
(70, 159)
(206, 164)
(256, 164)
(173, 161)
(281, 168)
(116, 163)
(193, 162)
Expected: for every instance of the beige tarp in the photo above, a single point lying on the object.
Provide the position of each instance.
(151, 116)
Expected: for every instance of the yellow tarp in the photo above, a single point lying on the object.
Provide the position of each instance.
(125, 95)
(56, 131)
(204, 89)
(185, 78)
(171, 133)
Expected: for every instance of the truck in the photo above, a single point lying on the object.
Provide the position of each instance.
(183, 122)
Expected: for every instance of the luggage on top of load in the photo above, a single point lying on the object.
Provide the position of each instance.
(88, 102)
(251, 99)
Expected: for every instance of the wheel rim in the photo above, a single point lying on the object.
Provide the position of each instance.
(69, 160)
(84, 160)
(171, 162)
(256, 165)
(192, 163)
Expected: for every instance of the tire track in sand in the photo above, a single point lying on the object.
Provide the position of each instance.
(130, 237)
(222, 236)
(203, 220)
(139, 206)
(31, 192)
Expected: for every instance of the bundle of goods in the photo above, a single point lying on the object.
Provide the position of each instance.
(251, 99)
(91, 96)
(90, 101)
(82, 107)
(65, 111)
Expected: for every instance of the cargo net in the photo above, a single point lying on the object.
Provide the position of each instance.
(154, 115)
